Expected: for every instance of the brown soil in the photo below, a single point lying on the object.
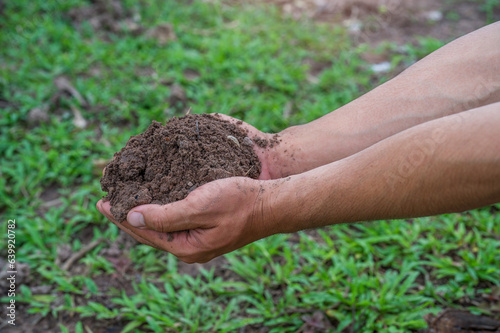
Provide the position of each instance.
(165, 163)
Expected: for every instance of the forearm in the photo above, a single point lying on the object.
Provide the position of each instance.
(446, 165)
(460, 76)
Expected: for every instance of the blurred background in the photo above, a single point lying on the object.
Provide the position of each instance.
(79, 77)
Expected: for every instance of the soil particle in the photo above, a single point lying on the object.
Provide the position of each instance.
(262, 143)
(265, 143)
(165, 163)
(275, 140)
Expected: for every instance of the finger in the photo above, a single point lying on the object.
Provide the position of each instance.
(184, 244)
(139, 238)
(190, 246)
(173, 217)
(104, 208)
(175, 243)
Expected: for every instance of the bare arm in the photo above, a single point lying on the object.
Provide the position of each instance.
(462, 75)
(446, 165)
(408, 148)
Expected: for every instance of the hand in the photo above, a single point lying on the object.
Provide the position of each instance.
(216, 218)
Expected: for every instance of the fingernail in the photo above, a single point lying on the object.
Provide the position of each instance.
(136, 220)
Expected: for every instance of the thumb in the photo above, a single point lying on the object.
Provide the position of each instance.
(166, 218)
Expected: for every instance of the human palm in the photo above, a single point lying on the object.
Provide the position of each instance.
(214, 219)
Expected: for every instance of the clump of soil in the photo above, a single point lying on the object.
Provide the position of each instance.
(165, 163)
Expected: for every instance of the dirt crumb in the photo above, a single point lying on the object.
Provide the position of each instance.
(275, 140)
(165, 163)
(260, 142)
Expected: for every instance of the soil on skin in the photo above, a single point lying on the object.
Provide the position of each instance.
(165, 163)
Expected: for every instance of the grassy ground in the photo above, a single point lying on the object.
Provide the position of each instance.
(248, 62)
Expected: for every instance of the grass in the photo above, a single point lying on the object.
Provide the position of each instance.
(251, 63)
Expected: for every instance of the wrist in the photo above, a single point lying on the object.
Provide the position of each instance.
(282, 158)
(307, 200)
(286, 206)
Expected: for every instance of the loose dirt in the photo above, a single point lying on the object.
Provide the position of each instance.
(165, 163)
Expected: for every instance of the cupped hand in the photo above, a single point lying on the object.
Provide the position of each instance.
(216, 218)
